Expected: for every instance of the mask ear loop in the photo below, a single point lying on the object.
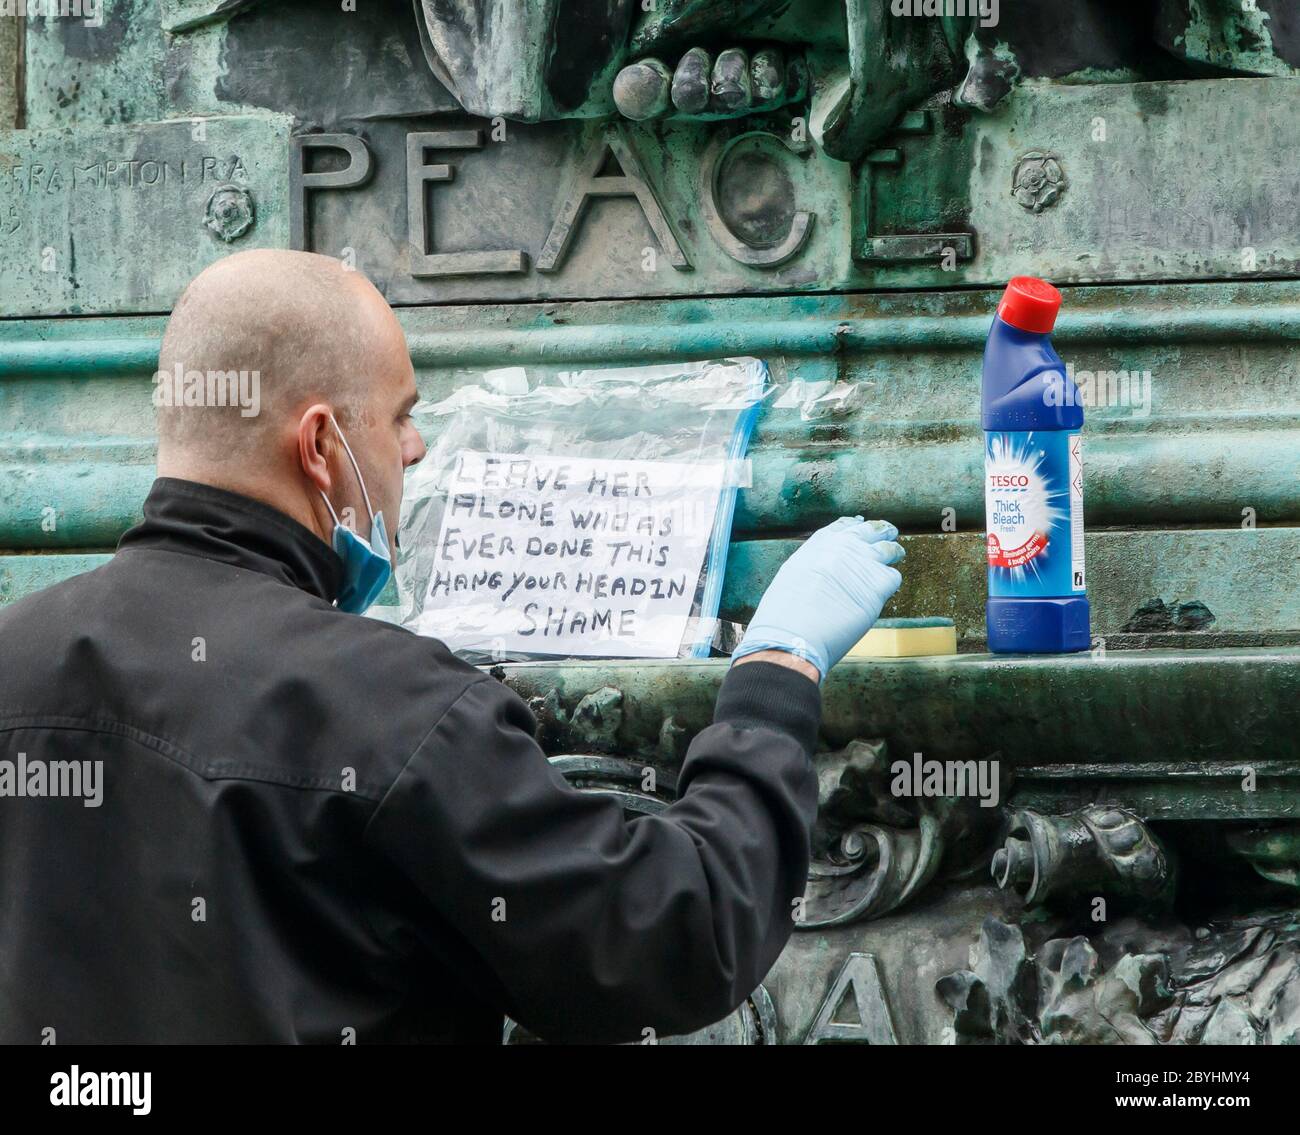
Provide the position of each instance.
(337, 522)
(357, 470)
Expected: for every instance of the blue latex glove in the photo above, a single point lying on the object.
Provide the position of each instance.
(827, 595)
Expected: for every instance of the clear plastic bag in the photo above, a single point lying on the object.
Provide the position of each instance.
(672, 438)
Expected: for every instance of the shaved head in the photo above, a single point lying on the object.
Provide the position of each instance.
(308, 328)
(269, 355)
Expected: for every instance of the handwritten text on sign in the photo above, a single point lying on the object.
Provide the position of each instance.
(570, 555)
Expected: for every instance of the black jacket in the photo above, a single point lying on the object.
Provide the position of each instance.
(313, 822)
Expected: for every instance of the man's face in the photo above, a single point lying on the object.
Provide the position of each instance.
(385, 440)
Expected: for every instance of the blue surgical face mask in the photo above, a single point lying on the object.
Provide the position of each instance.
(366, 564)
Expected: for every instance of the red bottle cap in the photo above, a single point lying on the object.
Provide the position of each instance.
(1030, 304)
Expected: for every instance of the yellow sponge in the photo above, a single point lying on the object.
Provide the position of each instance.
(907, 638)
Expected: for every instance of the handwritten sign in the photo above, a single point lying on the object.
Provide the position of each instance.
(570, 555)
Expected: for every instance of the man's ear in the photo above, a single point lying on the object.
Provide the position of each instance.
(316, 445)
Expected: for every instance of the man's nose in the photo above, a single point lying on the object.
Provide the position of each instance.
(413, 449)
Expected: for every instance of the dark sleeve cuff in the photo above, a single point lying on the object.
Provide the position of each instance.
(771, 696)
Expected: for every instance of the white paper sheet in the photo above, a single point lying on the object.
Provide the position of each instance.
(570, 555)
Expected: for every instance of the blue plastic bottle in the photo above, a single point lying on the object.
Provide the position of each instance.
(1033, 480)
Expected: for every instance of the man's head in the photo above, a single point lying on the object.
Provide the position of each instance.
(261, 350)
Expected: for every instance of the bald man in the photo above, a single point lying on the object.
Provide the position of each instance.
(248, 813)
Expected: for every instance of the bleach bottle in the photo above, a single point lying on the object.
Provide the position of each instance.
(1033, 480)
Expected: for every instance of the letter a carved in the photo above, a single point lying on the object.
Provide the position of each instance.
(857, 983)
(588, 182)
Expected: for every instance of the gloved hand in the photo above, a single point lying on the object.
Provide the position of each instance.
(827, 595)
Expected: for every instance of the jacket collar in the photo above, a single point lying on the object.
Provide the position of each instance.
(215, 524)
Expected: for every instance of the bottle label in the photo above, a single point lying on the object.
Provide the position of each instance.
(1033, 498)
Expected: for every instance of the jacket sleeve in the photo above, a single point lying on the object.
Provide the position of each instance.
(595, 928)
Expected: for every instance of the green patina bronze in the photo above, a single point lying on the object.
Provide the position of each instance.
(841, 190)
